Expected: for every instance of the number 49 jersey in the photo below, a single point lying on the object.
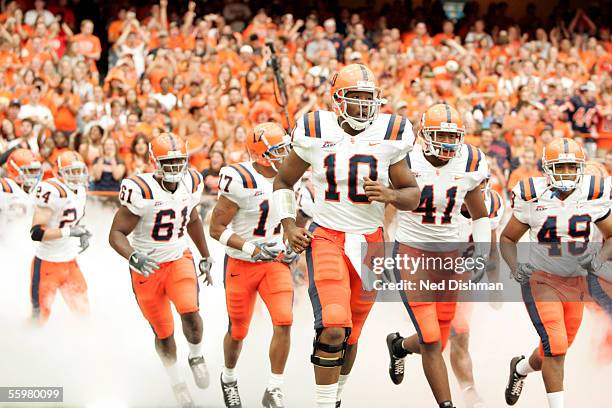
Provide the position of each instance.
(162, 228)
(443, 191)
(552, 221)
(257, 220)
(340, 163)
(68, 208)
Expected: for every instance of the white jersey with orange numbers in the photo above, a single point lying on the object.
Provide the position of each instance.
(161, 231)
(340, 163)
(552, 221)
(495, 208)
(443, 190)
(14, 202)
(257, 219)
(68, 208)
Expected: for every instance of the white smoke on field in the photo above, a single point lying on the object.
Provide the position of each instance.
(108, 359)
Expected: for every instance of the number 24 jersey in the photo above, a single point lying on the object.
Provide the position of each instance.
(162, 228)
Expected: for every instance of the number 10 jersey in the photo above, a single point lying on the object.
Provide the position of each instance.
(162, 228)
(340, 163)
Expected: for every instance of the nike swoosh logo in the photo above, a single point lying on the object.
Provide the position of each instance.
(457, 178)
(232, 275)
(374, 144)
(135, 259)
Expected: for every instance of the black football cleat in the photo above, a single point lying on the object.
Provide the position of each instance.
(515, 382)
(396, 356)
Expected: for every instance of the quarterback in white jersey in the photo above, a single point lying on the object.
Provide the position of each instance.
(449, 174)
(59, 207)
(559, 211)
(358, 166)
(246, 220)
(159, 210)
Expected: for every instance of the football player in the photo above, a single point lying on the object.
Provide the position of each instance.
(449, 173)
(59, 207)
(24, 171)
(246, 221)
(559, 211)
(358, 165)
(159, 209)
(461, 361)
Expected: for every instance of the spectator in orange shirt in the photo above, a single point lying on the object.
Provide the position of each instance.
(527, 168)
(66, 105)
(88, 45)
(608, 162)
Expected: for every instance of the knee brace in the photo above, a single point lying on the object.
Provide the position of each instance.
(329, 362)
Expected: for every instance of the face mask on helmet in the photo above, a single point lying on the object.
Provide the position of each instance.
(564, 175)
(172, 169)
(29, 176)
(277, 153)
(74, 176)
(444, 142)
(364, 111)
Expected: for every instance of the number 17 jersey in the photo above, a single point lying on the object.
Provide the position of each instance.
(340, 163)
(162, 228)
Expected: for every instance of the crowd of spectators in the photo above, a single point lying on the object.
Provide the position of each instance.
(205, 74)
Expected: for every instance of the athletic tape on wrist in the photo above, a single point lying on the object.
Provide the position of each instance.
(284, 200)
(225, 236)
(248, 248)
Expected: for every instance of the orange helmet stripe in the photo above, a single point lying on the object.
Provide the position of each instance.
(147, 193)
(61, 189)
(364, 72)
(449, 115)
(596, 188)
(248, 181)
(6, 187)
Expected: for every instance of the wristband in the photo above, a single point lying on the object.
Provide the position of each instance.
(248, 248)
(225, 236)
(284, 199)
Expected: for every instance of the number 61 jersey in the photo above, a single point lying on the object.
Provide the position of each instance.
(340, 163)
(552, 220)
(162, 228)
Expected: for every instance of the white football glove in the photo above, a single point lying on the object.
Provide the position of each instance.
(204, 266)
(523, 273)
(590, 261)
(143, 264)
(268, 251)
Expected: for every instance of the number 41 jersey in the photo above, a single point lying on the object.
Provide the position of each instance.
(443, 191)
(162, 228)
(340, 163)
